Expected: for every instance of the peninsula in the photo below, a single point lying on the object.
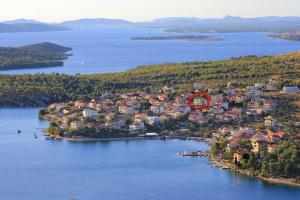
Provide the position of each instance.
(251, 127)
(287, 36)
(33, 56)
(180, 37)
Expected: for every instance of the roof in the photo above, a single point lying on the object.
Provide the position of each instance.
(280, 133)
(259, 137)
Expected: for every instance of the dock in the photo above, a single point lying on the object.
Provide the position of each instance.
(193, 153)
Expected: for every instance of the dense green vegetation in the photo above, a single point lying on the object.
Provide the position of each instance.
(37, 55)
(41, 89)
(283, 162)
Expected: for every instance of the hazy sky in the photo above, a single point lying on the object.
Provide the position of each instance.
(140, 10)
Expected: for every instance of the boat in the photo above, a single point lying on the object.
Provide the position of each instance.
(35, 135)
(19, 131)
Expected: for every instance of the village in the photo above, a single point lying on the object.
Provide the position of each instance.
(240, 117)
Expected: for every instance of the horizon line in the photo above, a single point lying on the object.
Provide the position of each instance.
(150, 20)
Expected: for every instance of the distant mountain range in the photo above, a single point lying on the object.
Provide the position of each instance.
(100, 22)
(230, 24)
(171, 24)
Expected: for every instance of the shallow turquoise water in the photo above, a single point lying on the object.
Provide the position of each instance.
(33, 169)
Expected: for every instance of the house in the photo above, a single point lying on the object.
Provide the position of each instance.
(115, 125)
(127, 110)
(157, 109)
(225, 105)
(239, 155)
(140, 117)
(234, 143)
(229, 84)
(225, 131)
(254, 94)
(96, 105)
(197, 118)
(137, 126)
(259, 85)
(66, 111)
(167, 89)
(236, 133)
(248, 132)
(230, 92)
(155, 102)
(272, 148)
(163, 97)
(217, 110)
(134, 104)
(90, 113)
(235, 113)
(198, 86)
(76, 125)
(242, 132)
(163, 118)
(275, 137)
(259, 143)
(152, 120)
(183, 108)
(80, 104)
(290, 89)
(272, 85)
(270, 122)
(174, 114)
(240, 98)
(57, 106)
(180, 100)
(267, 106)
(110, 116)
(199, 101)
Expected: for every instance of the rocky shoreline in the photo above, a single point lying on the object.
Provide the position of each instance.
(271, 180)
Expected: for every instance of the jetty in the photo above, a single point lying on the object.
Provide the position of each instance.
(193, 153)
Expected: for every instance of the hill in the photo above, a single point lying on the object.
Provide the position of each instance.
(28, 27)
(36, 55)
(171, 24)
(42, 89)
(99, 22)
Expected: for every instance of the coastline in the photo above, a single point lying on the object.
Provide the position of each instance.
(86, 139)
(270, 180)
(215, 161)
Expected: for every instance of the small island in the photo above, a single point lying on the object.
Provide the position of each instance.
(33, 56)
(287, 36)
(180, 37)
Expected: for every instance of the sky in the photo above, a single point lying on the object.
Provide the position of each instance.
(143, 10)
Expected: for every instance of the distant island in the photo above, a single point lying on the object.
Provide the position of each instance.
(287, 36)
(28, 27)
(32, 56)
(180, 37)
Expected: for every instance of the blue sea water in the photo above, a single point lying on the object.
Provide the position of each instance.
(111, 50)
(34, 169)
